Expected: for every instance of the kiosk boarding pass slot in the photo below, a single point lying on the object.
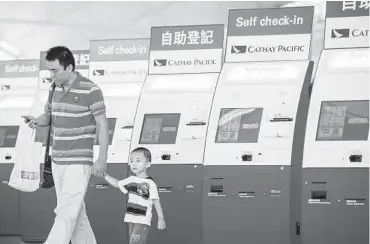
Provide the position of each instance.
(196, 123)
(194, 130)
(128, 127)
(278, 126)
(279, 118)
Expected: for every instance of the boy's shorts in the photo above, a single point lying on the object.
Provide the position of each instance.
(138, 233)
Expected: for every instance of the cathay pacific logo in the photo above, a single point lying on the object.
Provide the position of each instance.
(182, 62)
(47, 80)
(238, 49)
(5, 87)
(339, 33)
(98, 72)
(119, 72)
(160, 62)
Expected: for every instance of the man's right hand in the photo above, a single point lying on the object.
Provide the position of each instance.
(30, 120)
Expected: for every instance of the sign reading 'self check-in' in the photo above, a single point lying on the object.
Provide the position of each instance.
(116, 61)
(269, 34)
(186, 49)
(347, 24)
(18, 73)
(19, 68)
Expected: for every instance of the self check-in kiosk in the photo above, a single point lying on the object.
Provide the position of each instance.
(256, 130)
(119, 68)
(39, 205)
(18, 82)
(172, 121)
(335, 183)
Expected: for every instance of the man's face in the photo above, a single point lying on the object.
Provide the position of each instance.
(58, 73)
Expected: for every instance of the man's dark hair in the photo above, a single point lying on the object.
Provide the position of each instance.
(145, 151)
(62, 54)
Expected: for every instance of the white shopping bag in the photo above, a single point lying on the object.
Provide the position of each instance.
(26, 171)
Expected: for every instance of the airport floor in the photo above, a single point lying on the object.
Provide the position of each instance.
(11, 240)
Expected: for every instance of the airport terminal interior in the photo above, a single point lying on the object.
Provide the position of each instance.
(256, 115)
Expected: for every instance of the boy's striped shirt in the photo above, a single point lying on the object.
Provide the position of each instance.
(141, 193)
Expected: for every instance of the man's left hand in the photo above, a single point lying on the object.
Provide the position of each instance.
(100, 168)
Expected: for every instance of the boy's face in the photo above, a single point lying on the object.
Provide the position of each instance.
(138, 162)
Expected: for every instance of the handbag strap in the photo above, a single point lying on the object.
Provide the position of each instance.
(49, 130)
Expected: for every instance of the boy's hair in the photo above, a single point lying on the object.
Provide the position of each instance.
(145, 151)
(62, 54)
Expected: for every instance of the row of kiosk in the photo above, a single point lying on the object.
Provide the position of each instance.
(248, 144)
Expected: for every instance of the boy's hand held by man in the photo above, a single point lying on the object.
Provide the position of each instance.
(100, 168)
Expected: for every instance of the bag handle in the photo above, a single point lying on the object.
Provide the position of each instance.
(50, 99)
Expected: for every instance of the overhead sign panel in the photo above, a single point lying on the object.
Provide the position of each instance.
(186, 49)
(114, 61)
(19, 68)
(347, 24)
(269, 34)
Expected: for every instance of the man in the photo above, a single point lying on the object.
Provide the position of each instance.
(77, 110)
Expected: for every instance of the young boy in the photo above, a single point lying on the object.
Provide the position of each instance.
(142, 194)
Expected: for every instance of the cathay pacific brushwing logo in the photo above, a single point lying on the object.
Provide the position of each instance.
(98, 72)
(47, 80)
(238, 49)
(339, 33)
(160, 62)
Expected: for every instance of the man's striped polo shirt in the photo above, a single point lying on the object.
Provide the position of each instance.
(73, 121)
